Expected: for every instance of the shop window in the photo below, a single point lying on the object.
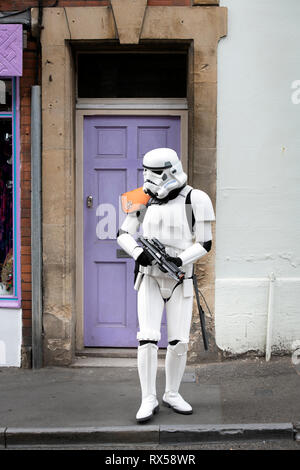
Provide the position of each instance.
(5, 95)
(9, 194)
(133, 75)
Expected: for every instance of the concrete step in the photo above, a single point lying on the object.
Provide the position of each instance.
(111, 362)
(113, 352)
(90, 361)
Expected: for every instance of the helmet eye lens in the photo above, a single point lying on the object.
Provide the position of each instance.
(157, 172)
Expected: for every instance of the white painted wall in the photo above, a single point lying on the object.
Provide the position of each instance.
(10, 337)
(258, 175)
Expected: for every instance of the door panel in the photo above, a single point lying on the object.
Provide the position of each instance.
(114, 147)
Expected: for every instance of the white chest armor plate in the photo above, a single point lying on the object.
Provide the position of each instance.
(168, 223)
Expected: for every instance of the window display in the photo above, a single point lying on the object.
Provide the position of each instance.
(8, 123)
(5, 94)
(6, 208)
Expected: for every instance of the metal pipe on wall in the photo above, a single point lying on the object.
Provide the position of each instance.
(270, 317)
(36, 228)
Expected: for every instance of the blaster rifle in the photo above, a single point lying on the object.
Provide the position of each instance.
(157, 251)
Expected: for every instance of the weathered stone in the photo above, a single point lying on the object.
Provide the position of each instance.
(53, 113)
(53, 280)
(53, 244)
(56, 326)
(204, 128)
(205, 160)
(54, 193)
(129, 16)
(26, 359)
(64, 312)
(58, 352)
(205, 96)
(54, 127)
(90, 23)
(55, 29)
(205, 64)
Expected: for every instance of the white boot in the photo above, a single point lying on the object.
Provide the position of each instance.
(175, 364)
(147, 367)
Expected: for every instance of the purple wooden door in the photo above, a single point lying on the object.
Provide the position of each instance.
(114, 147)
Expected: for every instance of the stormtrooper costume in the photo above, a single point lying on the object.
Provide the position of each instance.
(180, 218)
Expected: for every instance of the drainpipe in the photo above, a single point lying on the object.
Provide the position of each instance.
(36, 228)
(270, 317)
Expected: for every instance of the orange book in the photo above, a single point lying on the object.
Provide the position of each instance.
(133, 200)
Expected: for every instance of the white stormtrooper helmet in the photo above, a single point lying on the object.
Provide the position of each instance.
(162, 172)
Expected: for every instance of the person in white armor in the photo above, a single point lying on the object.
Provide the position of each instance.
(187, 237)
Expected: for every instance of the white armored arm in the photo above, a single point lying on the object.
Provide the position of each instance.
(204, 214)
(191, 254)
(125, 239)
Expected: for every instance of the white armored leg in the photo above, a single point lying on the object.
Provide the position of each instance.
(147, 367)
(175, 364)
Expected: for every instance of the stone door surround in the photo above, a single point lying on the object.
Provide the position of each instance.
(202, 26)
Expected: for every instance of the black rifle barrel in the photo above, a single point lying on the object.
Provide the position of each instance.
(201, 314)
(158, 252)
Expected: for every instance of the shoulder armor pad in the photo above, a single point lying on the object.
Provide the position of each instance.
(184, 192)
(202, 205)
(132, 201)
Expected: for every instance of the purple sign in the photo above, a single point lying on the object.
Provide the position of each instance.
(11, 50)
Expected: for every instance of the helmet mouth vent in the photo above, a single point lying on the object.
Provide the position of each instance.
(149, 181)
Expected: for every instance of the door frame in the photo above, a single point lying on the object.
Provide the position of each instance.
(137, 107)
